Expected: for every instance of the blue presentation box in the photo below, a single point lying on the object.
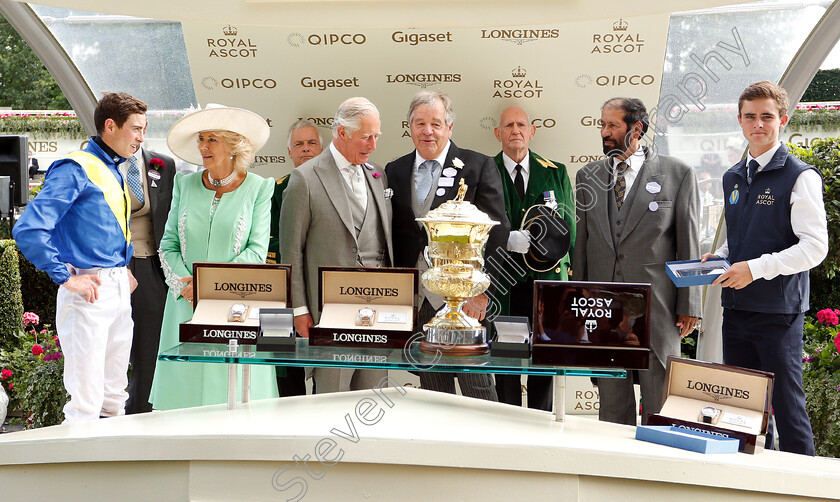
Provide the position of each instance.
(694, 273)
(686, 439)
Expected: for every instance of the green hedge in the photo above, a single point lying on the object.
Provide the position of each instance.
(11, 303)
(825, 86)
(43, 126)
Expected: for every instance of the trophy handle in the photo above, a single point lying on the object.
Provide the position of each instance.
(426, 256)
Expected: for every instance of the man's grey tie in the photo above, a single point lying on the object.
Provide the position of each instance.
(424, 185)
(357, 184)
(133, 178)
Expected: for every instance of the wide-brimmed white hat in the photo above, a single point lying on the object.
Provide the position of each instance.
(182, 137)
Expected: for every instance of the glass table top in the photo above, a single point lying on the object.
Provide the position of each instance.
(393, 359)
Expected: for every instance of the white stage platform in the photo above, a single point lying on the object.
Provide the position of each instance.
(391, 447)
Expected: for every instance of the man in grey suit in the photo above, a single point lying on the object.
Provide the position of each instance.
(335, 213)
(637, 210)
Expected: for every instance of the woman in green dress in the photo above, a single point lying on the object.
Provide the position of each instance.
(220, 214)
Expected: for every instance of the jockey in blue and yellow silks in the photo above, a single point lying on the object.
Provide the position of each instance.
(56, 230)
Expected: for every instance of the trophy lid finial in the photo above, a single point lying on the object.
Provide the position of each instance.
(462, 191)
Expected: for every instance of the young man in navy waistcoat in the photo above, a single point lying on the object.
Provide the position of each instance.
(775, 232)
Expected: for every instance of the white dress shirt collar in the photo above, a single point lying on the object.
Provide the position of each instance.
(765, 157)
(440, 158)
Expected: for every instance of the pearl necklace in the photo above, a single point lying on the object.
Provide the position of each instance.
(222, 182)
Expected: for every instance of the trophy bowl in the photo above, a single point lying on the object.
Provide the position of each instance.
(457, 232)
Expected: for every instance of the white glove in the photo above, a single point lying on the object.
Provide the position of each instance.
(519, 241)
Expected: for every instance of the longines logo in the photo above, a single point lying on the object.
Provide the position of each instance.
(325, 122)
(260, 160)
(231, 46)
(590, 121)
(322, 39)
(322, 84)
(520, 36)
(402, 37)
(619, 40)
(242, 289)
(368, 294)
(585, 80)
(517, 86)
(585, 159)
(230, 333)
(718, 392)
(211, 83)
(423, 80)
(359, 338)
(359, 358)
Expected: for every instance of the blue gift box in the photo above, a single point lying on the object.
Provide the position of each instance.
(686, 439)
(693, 272)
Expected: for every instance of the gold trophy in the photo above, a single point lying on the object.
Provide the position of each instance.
(457, 232)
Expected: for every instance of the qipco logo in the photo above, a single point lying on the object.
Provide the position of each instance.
(336, 39)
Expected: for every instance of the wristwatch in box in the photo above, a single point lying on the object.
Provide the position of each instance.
(237, 312)
(709, 415)
(365, 317)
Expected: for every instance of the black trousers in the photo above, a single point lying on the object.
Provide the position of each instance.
(477, 385)
(147, 303)
(509, 387)
(773, 342)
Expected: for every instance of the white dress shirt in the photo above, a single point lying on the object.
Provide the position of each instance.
(351, 175)
(437, 170)
(634, 165)
(808, 221)
(510, 166)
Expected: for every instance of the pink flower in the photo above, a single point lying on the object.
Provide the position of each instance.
(37, 350)
(376, 175)
(30, 318)
(828, 317)
(43, 331)
(156, 163)
(837, 342)
(6, 374)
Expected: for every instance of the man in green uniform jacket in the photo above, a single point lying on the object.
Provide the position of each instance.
(527, 180)
(304, 143)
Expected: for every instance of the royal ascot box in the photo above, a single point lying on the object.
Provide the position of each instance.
(591, 324)
(694, 272)
(228, 298)
(726, 401)
(699, 441)
(366, 307)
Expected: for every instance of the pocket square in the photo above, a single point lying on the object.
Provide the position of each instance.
(389, 192)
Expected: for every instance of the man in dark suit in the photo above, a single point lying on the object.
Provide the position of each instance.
(419, 187)
(150, 177)
(526, 179)
(636, 211)
(304, 143)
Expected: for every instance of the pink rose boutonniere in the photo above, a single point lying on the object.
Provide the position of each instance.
(156, 163)
(376, 175)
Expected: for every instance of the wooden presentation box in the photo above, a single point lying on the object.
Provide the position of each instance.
(344, 291)
(591, 324)
(218, 286)
(742, 396)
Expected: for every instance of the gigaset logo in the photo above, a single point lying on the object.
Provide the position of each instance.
(402, 37)
(322, 84)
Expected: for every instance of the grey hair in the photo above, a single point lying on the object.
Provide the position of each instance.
(301, 124)
(350, 114)
(430, 98)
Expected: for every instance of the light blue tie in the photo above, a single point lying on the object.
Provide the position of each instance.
(424, 180)
(134, 181)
